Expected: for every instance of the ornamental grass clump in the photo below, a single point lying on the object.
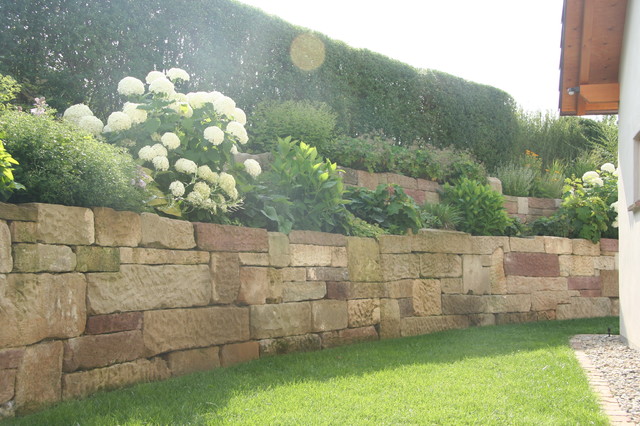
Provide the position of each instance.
(184, 141)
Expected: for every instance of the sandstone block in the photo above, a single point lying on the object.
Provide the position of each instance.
(439, 241)
(418, 196)
(329, 315)
(162, 232)
(212, 237)
(117, 228)
(508, 303)
(451, 285)
(348, 336)
(557, 245)
(495, 184)
(497, 277)
(585, 248)
(111, 323)
(549, 300)
(438, 265)
(463, 304)
(43, 258)
(151, 256)
(404, 182)
(22, 212)
(529, 245)
(38, 377)
(406, 307)
(287, 319)
(615, 307)
(349, 176)
(511, 205)
(294, 274)
(608, 246)
(285, 345)
(322, 273)
(400, 289)
(192, 360)
(175, 329)
(609, 283)
(542, 203)
(309, 255)
(142, 287)
(24, 232)
(389, 319)
(482, 320)
(355, 290)
(278, 249)
(36, 307)
(364, 259)
(605, 263)
(86, 352)
(426, 298)
(516, 317)
(399, 266)
(590, 293)
(11, 358)
(475, 277)
(431, 197)
(225, 274)
(363, 312)
(585, 307)
(254, 259)
(584, 283)
(395, 244)
(64, 225)
(296, 291)
(488, 245)
(415, 326)
(254, 285)
(7, 385)
(523, 205)
(97, 259)
(274, 295)
(531, 264)
(84, 383)
(239, 352)
(368, 180)
(428, 185)
(339, 257)
(516, 284)
(317, 238)
(6, 260)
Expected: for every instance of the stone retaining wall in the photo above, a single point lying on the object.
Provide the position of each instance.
(94, 299)
(527, 209)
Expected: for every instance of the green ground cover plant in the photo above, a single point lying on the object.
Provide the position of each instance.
(508, 374)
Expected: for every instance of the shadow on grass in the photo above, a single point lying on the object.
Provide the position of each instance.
(197, 397)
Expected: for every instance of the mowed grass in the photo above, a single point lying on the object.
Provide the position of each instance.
(509, 374)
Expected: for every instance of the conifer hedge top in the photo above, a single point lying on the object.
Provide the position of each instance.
(76, 51)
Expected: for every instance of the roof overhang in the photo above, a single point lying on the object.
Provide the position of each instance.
(592, 32)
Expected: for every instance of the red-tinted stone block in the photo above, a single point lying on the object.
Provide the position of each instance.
(112, 323)
(10, 358)
(214, 237)
(239, 352)
(7, 385)
(608, 245)
(86, 352)
(337, 290)
(590, 293)
(542, 203)
(584, 283)
(532, 264)
(418, 195)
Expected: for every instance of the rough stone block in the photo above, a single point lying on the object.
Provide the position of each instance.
(254, 259)
(278, 249)
(438, 265)
(11, 358)
(294, 274)
(213, 237)
(285, 345)
(239, 352)
(38, 377)
(585, 248)
(117, 228)
(151, 256)
(84, 383)
(317, 238)
(367, 180)
(608, 246)
(274, 295)
(142, 287)
(511, 206)
(590, 293)
(531, 264)
(322, 273)
(349, 176)
(355, 290)
(225, 274)
(296, 291)
(557, 245)
(482, 320)
(162, 232)
(404, 182)
(339, 257)
(395, 244)
(463, 304)
(363, 312)
(64, 225)
(583, 307)
(406, 307)
(399, 266)
(192, 360)
(254, 285)
(97, 259)
(615, 307)
(175, 329)
(287, 319)
(389, 319)
(508, 303)
(7, 385)
(495, 184)
(112, 323)
(428, 185)
(475, 278)
(348, 336)
(415, 326)
(488, 245)
(605, 263)
(24, 232)
(426, 298)
(364, 259)
(516, 284)
(497, 277)
(36, 307)
(516, 317)
(6, 260)
(549, 300)
(43, 258)
(610, 287)
(584, 283)
(529, 245)
(87, 352)
(22, 212)
(400, 289)
(439, 241)
(418, 196)
(329, 315)
(523, 205)
(451, 285)
(309, 255)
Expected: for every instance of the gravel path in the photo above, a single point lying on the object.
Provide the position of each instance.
(618, 366)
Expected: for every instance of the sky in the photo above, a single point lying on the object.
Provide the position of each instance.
(513, 45)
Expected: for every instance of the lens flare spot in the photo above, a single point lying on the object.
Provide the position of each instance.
(307, 52)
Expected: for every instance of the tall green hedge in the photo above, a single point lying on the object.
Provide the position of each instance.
(72, 51)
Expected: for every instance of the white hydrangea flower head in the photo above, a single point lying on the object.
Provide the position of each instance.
(224, 105)
(176, 188)
(598, 182)
(186, 166)
(228, 183)
(160, 163)
(195, 198)
(214, 134)
(137, 115)
(154, 75)
(146, 153)
(130, 86)
(106, 129)
(177, 74)
(215, 95)
(615, 224)
(75, 112)
(182, 108)
(608, 167)
(234, 150)
(615, 206)
(202, 188)
(91, 124)
(237, 129)
(589, 177)
(118, 121)
(616, 172)
(159, 150)
(252, 167)
(198, 99)
(205, 173)
(162, 86)
(170, 140)
(180, 97)
(240, 116)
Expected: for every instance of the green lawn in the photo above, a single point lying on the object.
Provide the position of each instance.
(511, 374)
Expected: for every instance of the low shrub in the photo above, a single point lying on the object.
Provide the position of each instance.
(517, 180)
(7, 182)
(440, 216)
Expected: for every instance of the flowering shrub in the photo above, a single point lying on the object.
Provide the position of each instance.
(185, 141)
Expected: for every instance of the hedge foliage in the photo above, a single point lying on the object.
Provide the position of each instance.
(74, 51)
